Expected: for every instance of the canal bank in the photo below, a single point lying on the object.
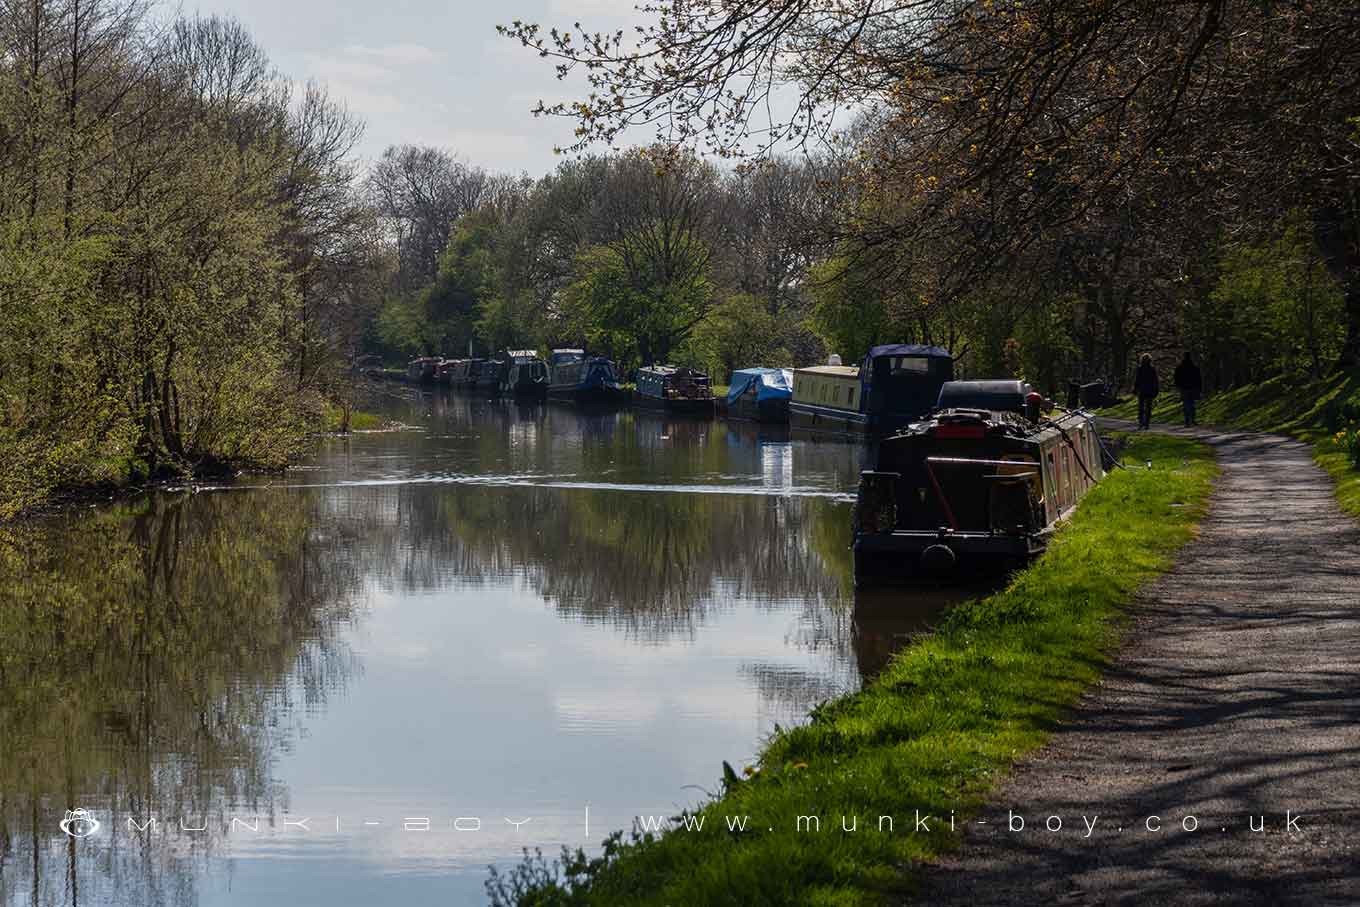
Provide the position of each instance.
(1219, 752)
(926, 741)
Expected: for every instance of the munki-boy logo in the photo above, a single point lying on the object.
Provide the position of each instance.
(79, 823)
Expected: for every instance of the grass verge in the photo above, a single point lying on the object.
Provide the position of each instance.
(932, 733)
(359, 420)
(1312, 411)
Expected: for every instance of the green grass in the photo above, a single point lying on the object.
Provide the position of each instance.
(1312, 411)
(934, 732)
(358, 419)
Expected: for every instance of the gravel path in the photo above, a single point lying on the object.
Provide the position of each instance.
(1234, 704)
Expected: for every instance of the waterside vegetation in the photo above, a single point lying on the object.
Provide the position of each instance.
(1324, 412)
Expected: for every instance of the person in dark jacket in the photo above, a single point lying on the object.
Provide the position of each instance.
(1191, 384)
(1147, 387)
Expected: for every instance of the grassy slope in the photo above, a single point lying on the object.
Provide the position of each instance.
(933, 732)
(1310, 411)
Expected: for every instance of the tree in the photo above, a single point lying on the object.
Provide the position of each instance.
(625, 294)
(991, 127)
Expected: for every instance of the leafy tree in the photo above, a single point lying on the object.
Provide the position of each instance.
(738, 332)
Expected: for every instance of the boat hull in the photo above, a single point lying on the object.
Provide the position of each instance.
(694, 406)
(772, 411)
(827, 419)
(593, 395)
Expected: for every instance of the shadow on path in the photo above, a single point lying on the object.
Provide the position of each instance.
(1234, 705)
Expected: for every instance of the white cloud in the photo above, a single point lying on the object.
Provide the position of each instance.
(343, 72)
(578, 10)
(395, 54)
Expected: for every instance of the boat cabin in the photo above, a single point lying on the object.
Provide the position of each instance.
(422, 370)
(455, 372)
(674, 388)
(902, 382)
(828, 398)
(525, 375)
(895, 385)
(575, 377)
(986, 476)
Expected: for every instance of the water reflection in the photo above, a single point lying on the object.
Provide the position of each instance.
(152, 656)
(511, 608)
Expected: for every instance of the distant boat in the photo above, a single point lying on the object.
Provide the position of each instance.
(484, 376)
(422, 370)
(577, 378)
(985, 477)
(895, 385)
(525, 375)
(455, 373)
(760, 394)
(675, 389)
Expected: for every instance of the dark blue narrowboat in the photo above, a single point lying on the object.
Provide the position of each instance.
(574, 377)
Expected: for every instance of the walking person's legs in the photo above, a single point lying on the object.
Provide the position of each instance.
(1144, 412)
(1188, 406)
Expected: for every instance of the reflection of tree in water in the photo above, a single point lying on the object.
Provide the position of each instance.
(653, 563)
(789, 694)
(152, 657)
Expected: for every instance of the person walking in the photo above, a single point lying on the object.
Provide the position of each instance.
(1190, 383)
(1147, 387)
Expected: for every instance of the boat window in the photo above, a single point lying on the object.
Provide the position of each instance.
(908, 365)
(850, 397)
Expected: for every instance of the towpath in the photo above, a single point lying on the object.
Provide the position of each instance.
(1234, 704)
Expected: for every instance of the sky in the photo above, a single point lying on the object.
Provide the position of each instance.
(430, 72)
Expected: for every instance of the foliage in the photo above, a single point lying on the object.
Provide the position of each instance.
(1273, 308)
(626, 296)
(179, 246)
(737, 332)
(932, 732)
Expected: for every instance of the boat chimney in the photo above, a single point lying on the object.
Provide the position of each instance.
(833, 359)
(1034, 402)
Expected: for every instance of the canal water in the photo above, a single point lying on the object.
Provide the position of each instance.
(421, 651)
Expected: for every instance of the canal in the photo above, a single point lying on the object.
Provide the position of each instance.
(367, 679)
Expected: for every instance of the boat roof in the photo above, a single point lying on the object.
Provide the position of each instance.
(835, 371)
(995, 395)
(910, 349)
(522, 354)
(664, 370)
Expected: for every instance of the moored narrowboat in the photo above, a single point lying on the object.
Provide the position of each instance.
(895, 385)
(422, 370)
(675, 389)
(984, 478)
(525, 375)
(828, 398)
(454, 372)
(575, 377)
(760, 394)
(484, 376)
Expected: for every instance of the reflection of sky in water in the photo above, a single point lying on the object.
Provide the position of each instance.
(512, 651)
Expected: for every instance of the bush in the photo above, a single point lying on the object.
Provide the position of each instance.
(1348, 439)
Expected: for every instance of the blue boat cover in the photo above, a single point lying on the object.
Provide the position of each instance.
(771, 383)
